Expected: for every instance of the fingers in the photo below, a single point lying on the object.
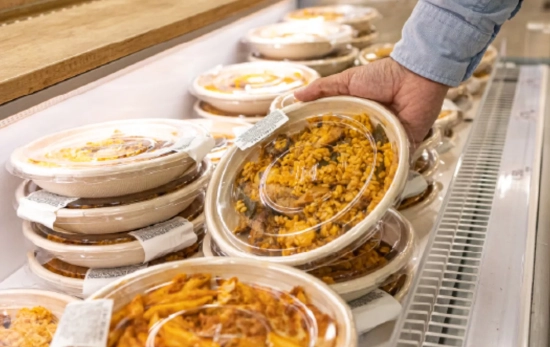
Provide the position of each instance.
(328, 86)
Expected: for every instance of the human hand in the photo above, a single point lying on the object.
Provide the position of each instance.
(416, 100)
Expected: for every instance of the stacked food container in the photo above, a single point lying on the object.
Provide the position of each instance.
(103, 200)
(318, 194)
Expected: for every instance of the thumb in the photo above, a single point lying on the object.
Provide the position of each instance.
(327, 86)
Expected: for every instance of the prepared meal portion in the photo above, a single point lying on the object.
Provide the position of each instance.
(204, 310)
(375, 52)
(31, 327)
(305, 188)
(120, 249)
(29, 317)
(249, 88)
(120, 214)
(365, 37)
(100, 160)
(357, 16)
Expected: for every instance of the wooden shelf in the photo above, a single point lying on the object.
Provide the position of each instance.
(41, 51)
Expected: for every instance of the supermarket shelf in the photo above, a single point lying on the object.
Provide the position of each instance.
(474, 284)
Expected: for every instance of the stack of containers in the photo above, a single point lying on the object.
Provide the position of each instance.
(318, 194)
(244, 91)
(322, 46)
(358, 17)
(103, 200)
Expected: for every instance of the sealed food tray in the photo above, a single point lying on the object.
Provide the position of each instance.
(359, 17)
(326, 128)
(327, 319)
(130, 212)
(249, 88)
(101, 160)
(299, 40)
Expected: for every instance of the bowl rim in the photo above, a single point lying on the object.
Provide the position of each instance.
(437, 188)
(202, 93)
(350, 236)
(50, 277)
(344, 33)
(370, 13)
(430, 143)
(40, 293)
(350, 55)
(368, 49)
(203, 114)
(336, 302)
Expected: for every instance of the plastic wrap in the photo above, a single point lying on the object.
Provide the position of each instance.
(29, 317)
(333, 63)
(101, 160)
(207, 111)
(303, 310)
(113, 215)
(359, 17)
(249, 88)
(300, 40)
(315, 187)
(121, 249)
(375, 52)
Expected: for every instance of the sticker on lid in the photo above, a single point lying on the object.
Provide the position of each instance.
(98, 278)
(196, 147)
(41, 207)
(261, 130)
(166, 237)
(84, 324)
(374, 309)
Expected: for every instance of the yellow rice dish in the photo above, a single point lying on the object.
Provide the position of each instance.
(307, 188)
(32, 327)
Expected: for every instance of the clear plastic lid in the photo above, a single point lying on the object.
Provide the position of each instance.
(201, 309)
(375, 52)
(205, 110)
(29, 317)
(309, 184)
(285, 33)
(346, 14)
(253, 80)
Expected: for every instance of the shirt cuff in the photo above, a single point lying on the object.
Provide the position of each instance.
(439, 45)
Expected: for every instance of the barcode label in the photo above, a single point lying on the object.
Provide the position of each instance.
(374, 309)
(261, 130)
(98, 278)
(84, 324)
(41, 207)
(166, 237)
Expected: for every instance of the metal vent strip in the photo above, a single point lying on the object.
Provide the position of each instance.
(440, 306)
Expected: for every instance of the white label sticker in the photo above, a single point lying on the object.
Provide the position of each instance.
(374, 309)
(261, 130)
(98, 278)
(41, 207)
(166, 237)
(416, 185)
(84, 324)
(196, 147)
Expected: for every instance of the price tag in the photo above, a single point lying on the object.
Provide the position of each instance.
(84, 324)
(374, 309)
(41, 207)
(261, 130)
(98, 278)
(166, 237)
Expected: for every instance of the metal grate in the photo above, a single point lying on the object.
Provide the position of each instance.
(440, 307)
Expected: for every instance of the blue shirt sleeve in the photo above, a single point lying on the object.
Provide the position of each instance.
(444, 40)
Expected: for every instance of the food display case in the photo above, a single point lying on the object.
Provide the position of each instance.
(148, 186)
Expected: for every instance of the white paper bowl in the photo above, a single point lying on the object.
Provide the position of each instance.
(326, 66)
(228, 168)
(409, 272)
(465, 102)
(108, 220)
(433, 164)
(452, 119)
(204, 111)
(247, 102)
(13, 300)
(415, 210)
(359, 17)
(299, 40)
(252, 272)
(364, 41)
(98, 179)
(356, 288)
(95, 256)
(371, 53)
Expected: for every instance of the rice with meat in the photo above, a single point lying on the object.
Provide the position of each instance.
(307, 188)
